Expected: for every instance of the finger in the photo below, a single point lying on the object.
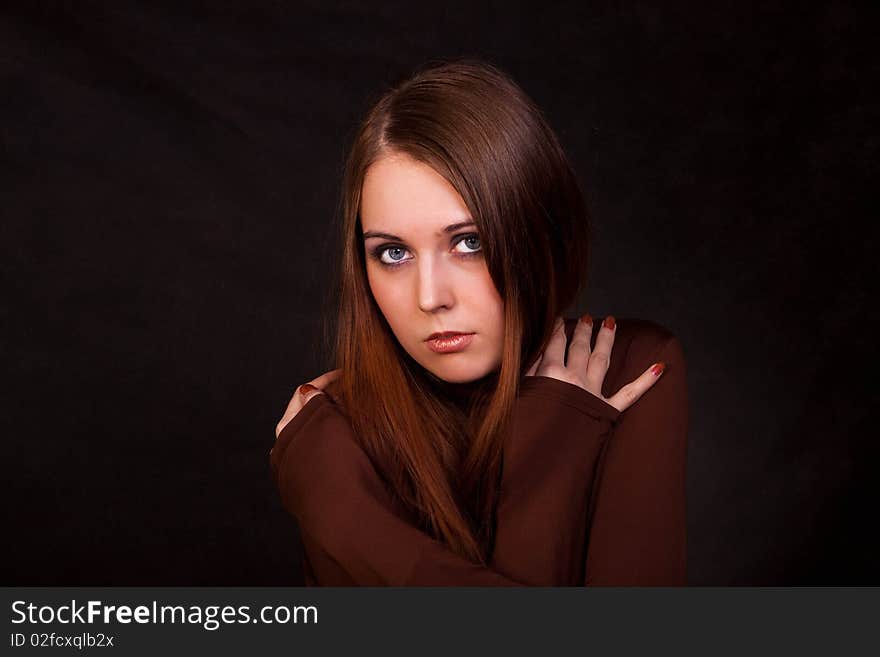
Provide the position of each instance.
(534, 368)
(302, 395)
(316, 386)
(554, 354)
(293, 408)
(631, 392)
(322, 381)
(579, 349)
(306, 391)
(600, 358)
(296, 402)
(282, 423)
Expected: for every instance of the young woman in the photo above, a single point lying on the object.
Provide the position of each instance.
(469, 435)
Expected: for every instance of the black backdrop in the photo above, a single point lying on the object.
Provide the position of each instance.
(168, 179)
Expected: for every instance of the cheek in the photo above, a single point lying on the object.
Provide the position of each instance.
(490, 298)
(489, 304)
(386, 294)
(380, 292)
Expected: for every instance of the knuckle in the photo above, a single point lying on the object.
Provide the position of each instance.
(630, 394)
(579, 346)
(600, 358)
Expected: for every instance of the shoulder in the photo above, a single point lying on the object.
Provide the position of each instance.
(638, 344)
(322, 473)
(332, 390)
(319, 438)
(642, 338)
(640, 335)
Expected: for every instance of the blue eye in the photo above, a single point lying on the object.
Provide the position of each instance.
(392, 253)
(470, 238)
(395, 252)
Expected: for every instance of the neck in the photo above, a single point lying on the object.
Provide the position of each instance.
(463, 393)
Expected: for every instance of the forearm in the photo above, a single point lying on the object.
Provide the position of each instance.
(550, 461)
(327, 482)
(638, 533)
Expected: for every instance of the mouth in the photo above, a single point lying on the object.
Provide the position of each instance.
(449, 342)
(446, 334)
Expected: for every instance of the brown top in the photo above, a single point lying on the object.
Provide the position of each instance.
(589, 495)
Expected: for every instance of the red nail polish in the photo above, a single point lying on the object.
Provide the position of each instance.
(609, 323)
(586, 319)
(657, 369)
(306, 388)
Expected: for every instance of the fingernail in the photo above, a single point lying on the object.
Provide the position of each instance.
(586, 319)
(658, 368)
(306, 388)
(609, 322)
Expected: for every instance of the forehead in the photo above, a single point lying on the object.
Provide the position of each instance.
(400, 194)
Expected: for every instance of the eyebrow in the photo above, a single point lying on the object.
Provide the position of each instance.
(388, 236)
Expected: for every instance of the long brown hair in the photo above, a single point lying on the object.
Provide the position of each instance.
(477, 128)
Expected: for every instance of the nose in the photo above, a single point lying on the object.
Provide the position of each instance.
(434, 285)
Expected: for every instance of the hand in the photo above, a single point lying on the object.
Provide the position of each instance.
(302, 396)
(587, 370)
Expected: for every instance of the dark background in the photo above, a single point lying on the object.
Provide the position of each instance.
(168, 181)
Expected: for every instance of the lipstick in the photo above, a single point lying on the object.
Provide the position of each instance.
(449, 342)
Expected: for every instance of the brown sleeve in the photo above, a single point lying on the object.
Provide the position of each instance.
(638, 533)
(549, 464)
(329, 484)
(344, 511)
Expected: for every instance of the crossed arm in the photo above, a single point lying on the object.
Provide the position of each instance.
(578, 476)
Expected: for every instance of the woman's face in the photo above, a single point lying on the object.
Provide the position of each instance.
(426, 269)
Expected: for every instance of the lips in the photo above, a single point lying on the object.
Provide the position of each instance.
(446, 334)
(449, 342)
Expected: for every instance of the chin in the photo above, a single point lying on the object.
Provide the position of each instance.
(466, 373)
(456, 379)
